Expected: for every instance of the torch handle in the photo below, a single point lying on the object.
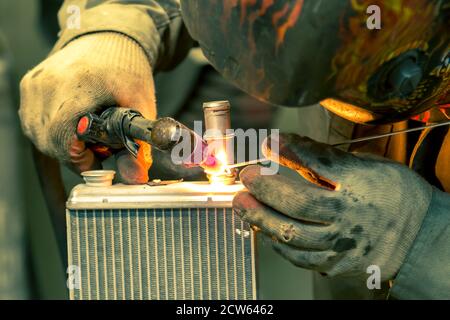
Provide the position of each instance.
(113, 129)
(117, 128)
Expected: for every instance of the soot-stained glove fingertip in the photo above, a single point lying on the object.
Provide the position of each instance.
(249, 174)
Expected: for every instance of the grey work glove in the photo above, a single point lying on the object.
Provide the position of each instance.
(91, 73)
(349, 211)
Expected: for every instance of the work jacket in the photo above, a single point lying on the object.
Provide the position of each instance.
(158, 27)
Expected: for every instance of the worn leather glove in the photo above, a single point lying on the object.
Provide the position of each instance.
(349, 211)
(91, 73)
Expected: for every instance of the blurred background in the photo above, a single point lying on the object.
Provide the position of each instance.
(31, 266)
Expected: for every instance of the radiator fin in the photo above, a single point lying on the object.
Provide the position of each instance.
(188, 253)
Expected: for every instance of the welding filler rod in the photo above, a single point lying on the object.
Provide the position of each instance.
(433, 125)
(379, 136)
(247, 163)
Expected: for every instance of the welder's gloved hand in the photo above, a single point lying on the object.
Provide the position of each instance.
(91, 73)
(349, 211)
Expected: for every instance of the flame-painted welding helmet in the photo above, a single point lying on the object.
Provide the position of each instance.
(369, 61)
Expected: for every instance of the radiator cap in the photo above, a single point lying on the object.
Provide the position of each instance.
(99, 178)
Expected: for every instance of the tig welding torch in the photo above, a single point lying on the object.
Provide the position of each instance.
(118, 128)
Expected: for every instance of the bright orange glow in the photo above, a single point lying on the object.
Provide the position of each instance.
(218, 164)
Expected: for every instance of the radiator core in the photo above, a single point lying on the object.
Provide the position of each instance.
(180, 241)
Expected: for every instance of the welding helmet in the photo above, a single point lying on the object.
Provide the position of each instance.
(370, 61)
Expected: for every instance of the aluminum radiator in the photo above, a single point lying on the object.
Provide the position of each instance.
(178, 241)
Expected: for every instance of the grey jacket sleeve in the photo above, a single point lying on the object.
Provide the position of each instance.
(156, 25)
(426, 272)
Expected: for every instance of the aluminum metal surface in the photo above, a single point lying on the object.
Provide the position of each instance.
(99, 178)
(178, 241)
(184, 194)
(217, 118)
